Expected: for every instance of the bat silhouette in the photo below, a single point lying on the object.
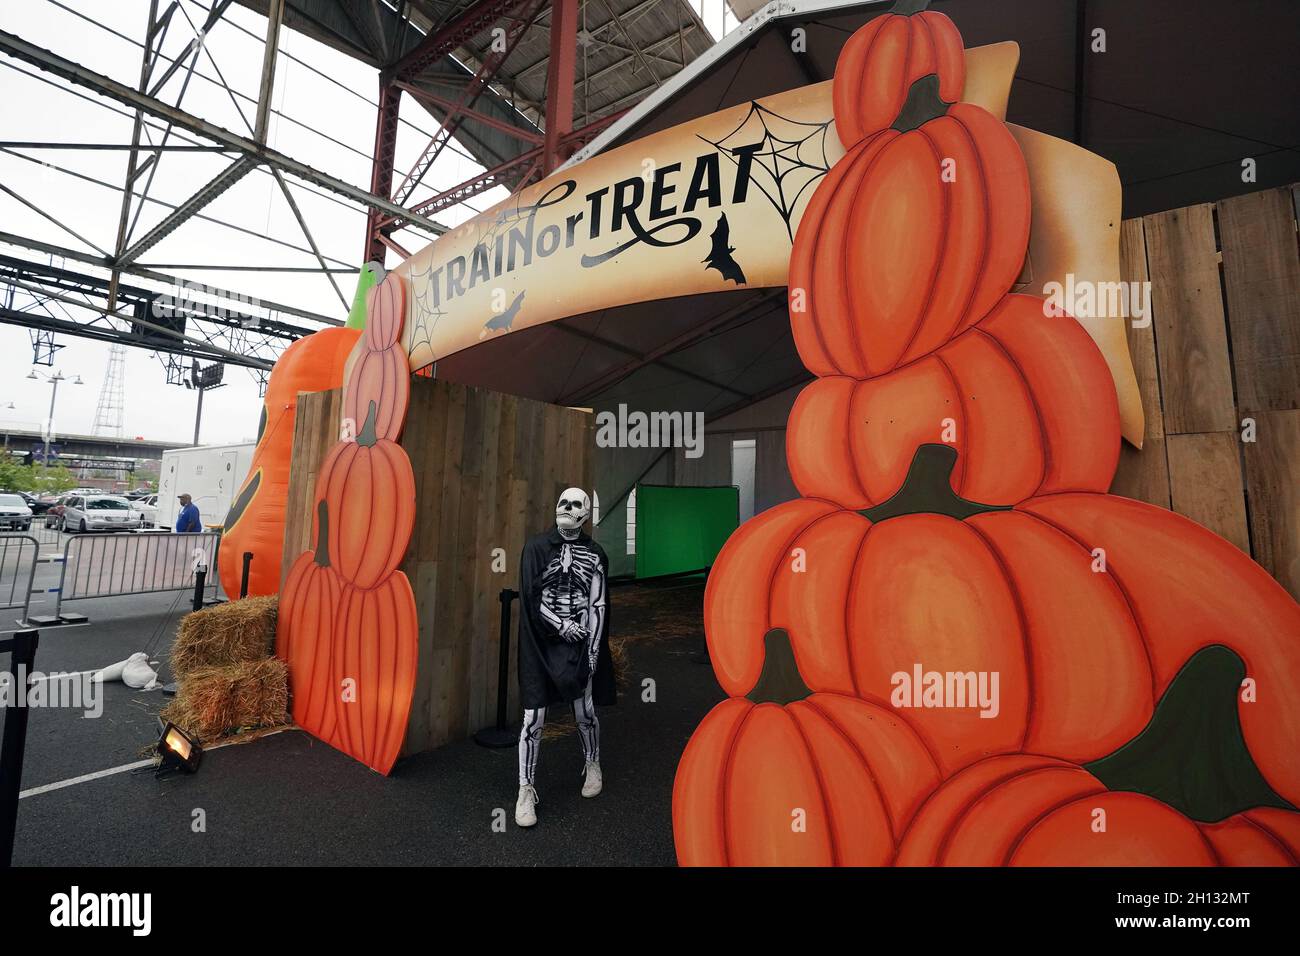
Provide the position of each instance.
(719, 256)
(503, 321)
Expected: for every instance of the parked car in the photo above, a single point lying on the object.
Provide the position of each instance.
(14, 513)
(54, 513)
(98, 513)
(148, 508)
(38, 506)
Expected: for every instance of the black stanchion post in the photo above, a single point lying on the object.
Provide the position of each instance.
(243, 575)
(200, 579)
(22, 658)
(502, 735)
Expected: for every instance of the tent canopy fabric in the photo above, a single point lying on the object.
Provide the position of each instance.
(1175, 113)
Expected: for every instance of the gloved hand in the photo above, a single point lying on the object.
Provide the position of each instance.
(572, 632)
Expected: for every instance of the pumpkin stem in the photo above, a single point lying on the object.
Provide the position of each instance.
(322, 534)
(1192, 755)
(928, 488)
(922, 104)
(780, 681)
(907, 8)
(367, 437)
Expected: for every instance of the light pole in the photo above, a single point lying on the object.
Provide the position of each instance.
(54, 381)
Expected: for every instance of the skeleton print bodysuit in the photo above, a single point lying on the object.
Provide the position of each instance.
(573, 596)
(563, 630)
(573, 602)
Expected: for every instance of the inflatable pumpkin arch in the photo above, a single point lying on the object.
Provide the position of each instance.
(255, 521)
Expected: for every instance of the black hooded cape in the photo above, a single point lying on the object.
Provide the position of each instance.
(551, 670)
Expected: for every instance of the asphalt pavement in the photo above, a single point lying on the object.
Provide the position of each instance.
(290, 799)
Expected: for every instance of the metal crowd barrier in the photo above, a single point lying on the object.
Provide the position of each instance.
(107, 565)
(18, 559)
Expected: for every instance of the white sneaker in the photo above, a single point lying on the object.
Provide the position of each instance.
(592, 784)
(526, 806)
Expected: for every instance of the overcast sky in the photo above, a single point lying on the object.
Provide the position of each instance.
(46, 109)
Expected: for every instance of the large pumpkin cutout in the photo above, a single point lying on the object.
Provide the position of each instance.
(1030, 810)
(381, 373)
(309, 605)
(789, 779)
(929, 581)
(374, 659)
(1026, 400)
(382, 380)
(910, 239)
(881, 61)
(352, 622)
(370, 489)
(1184, 792)
(255, 521)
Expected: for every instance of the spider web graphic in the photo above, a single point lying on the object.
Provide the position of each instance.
(426, 313)
(790, 159)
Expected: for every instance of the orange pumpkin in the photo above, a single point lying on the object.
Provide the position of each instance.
(881, 61)
(384, 380)
(370, 489)
(1010, 395)
(1031, 810)
(305, 624)
(376, 648)
(385, 313)
(788, 779)
(255, 521)
(910, 239)
(927, 579)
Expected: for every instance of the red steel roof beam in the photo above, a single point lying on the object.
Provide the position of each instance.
(560, 73)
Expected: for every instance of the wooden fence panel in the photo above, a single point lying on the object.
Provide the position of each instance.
(1223, 435)
(1144, 473)
(489, 468)
(1205, 483)
(1192, 341)
(1261, 277)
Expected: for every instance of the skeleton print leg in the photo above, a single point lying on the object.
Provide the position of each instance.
(584, 713)
(530, 744)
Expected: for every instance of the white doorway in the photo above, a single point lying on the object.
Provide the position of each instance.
(742, 474)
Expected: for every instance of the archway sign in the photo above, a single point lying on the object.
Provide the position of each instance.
(714, 204)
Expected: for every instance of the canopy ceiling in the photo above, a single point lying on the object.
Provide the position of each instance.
(1185, 90)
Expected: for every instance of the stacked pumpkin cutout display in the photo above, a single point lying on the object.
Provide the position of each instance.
(956, 649)
(347, 624)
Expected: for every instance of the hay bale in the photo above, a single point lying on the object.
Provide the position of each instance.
(236, 632)
(213, 702)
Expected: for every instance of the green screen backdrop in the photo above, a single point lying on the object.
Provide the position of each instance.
(682, 529)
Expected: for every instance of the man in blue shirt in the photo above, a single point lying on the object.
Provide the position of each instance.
(188, 519)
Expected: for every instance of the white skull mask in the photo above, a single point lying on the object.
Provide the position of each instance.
(572, 510)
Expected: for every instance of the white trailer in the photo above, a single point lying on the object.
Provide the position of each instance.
(210, 474)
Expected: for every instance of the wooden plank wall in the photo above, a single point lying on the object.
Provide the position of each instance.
(488, 470)
(1222, 352)
(315, 430)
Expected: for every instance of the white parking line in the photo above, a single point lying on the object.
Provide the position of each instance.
(112, 771)
(34, 791)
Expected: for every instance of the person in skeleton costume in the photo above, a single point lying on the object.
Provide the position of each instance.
(563, 641)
